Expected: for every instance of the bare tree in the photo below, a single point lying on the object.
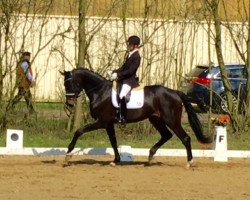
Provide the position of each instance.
(248, 69)
(240, 37)
(23, 28)
(239, 121)
(81, 58)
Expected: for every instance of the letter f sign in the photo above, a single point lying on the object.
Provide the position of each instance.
(221, 137)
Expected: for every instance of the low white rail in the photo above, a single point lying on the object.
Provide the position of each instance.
(14, 146)
(109, 151)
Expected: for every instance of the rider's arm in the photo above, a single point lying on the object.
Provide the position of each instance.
(25, 66)
(131, 70)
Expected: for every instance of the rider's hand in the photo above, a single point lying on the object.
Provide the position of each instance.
(113, 76)
(109, 73)
(33, 83)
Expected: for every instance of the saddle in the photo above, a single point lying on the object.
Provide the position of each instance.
(134, 99)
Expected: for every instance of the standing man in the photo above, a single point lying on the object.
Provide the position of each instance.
(126, 75)
(25, 80)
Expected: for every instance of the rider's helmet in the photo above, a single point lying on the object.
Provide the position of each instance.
(26, 53)
(134, 40)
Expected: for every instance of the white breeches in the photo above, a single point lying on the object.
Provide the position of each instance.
(124, 91)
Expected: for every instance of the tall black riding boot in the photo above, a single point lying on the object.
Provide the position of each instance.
(123, 111)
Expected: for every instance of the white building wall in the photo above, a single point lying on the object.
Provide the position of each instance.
(170, 49)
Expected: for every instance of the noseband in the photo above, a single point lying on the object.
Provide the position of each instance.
(76, 91)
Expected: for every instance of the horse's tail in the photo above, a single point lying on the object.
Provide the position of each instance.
(194, 120)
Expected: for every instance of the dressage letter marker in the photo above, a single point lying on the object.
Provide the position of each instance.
(14, 139)
(220, 151)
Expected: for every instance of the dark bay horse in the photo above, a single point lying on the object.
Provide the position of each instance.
(162, 106)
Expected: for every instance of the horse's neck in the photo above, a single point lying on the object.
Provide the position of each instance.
(92, 84)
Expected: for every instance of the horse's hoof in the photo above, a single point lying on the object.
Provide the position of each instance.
(68, 157)
(65, 163)
(150, 159)
(112, 164)
(190, 164)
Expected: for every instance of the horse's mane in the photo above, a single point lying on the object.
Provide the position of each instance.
(93, 75)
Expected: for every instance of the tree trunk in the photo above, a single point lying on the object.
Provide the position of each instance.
(248, 72)
(1, 69)
(226, 83)
(81, 59)
(210, 85)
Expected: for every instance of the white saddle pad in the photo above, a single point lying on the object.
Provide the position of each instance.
(136, 99)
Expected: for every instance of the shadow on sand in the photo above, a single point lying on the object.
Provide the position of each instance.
(106, 163)
(103, 163)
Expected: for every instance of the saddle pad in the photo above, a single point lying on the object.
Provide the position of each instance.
(136, 99)
(140, 87)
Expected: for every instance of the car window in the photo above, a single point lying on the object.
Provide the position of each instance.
(235, 72)
(197, 71)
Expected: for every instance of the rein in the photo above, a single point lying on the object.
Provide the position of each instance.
(92, 89)
(87, 91)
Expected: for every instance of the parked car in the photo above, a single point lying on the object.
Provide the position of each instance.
(197, 86)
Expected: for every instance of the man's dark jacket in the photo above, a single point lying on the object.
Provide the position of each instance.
(127, 72)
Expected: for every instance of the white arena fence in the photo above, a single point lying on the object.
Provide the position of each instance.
(14, 146)
(109, 151)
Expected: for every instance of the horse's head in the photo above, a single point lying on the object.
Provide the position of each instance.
(72, 89)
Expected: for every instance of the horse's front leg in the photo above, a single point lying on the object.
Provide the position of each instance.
(112, 138)
(87, 128)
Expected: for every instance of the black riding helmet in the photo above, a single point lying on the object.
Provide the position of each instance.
(134, 40)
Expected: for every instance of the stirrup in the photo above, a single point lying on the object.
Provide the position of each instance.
(121, 121)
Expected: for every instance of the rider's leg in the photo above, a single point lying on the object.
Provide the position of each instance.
(123, 107)
(123, 111)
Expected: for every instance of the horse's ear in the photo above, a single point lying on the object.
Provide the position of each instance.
(62, 73)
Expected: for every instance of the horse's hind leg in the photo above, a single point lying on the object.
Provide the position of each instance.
(183, 136)
(160, 126)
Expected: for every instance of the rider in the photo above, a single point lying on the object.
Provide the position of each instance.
(126, 75)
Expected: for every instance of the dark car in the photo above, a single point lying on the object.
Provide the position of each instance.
(198, 82)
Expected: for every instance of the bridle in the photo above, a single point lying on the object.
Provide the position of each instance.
(76, 91)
